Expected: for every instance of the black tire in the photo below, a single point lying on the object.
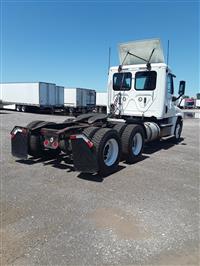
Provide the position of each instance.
(101, 141)
(35, 148)
(178, 130)
(71, 111)
(90, 131)
(23, 108)
(37, 123)
(68, 120)
(128, 138)
(120, 128)
(34, 123)
(18, 108)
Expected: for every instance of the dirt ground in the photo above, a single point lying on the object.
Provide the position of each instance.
(147, 213)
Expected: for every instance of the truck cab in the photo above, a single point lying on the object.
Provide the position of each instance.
(142, 90)
(144, 93)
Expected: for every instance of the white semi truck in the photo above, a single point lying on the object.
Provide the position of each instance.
(141, 108)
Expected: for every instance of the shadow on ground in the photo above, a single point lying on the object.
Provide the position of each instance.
(64, 162)
(61, 162)
(164, 144)
(4, 113)
(96, 177)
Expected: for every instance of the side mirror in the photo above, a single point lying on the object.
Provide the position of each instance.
(181, 90)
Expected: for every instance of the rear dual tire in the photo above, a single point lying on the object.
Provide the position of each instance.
(35, 147)
(21, 108)
(125, 141)
(107, 146)
(18, 108)
(132, 143)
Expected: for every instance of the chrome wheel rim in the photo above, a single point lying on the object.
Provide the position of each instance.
(110, 152)
(137, 144)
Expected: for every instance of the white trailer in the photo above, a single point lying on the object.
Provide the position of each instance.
(35, 95)
(79, 100)
(101, 102)
(198, 100)
(198, 103)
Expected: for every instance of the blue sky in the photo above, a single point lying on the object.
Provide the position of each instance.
(67, 42)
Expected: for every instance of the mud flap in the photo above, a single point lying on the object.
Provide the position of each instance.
(19, 142)
(85, 159)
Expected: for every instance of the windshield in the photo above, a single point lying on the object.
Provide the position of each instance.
(122, 81)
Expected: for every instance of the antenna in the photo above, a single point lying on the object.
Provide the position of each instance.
(167, 53)
(109, 55)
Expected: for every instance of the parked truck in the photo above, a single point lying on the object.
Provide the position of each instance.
(101, 102)
(140, 109)
(32, 96)
(187, 103)
(79, 100)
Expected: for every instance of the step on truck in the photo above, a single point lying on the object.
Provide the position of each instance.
(141, 108)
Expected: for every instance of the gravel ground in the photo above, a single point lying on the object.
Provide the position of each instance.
(145, 214)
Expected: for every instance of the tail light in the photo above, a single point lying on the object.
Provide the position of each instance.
(55, 144)
(51, 143)
(46, 142)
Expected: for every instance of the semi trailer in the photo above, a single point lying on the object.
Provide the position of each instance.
(32, 95)
(79, 100)
(140, 108)
(101, 102)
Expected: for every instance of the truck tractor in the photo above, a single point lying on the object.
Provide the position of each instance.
(141, 108)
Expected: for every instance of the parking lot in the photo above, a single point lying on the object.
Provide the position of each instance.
(147, 213)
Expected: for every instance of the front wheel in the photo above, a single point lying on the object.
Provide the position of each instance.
(178, 130)
(108, 150)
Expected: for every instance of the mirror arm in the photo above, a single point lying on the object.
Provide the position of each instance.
(176, 98)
